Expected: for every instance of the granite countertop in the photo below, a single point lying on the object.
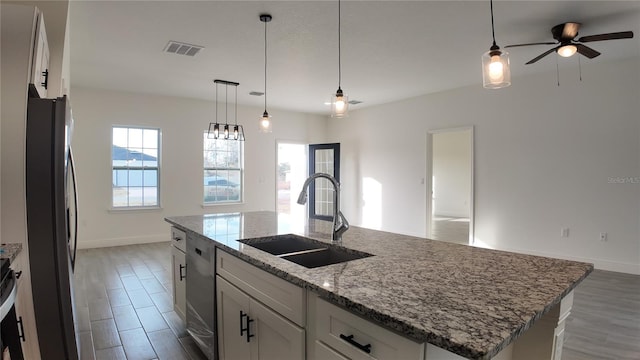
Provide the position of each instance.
(10, 251)
(467, 300)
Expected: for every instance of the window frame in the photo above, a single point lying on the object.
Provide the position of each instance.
(240, 200)
(157, 168)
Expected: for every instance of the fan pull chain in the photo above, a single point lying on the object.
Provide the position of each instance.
(557, 70)
(580, 68)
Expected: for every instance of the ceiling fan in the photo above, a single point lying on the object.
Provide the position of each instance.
(567, 45)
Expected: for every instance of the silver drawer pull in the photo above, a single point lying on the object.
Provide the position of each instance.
(349, 339)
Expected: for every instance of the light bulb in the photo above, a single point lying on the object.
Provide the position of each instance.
(340, 104)
(216, 131)
(496, 69)
(235, 132)
(264, 123)
(567, 50)
(226, 131)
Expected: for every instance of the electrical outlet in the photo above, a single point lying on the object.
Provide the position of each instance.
(564, 232)
(603, 237)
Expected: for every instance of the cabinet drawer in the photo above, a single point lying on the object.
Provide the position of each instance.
(358, 334)
(179, 239)
(323, 352)
(285, 298)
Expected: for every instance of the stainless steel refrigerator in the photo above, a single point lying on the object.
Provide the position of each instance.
(51, 224)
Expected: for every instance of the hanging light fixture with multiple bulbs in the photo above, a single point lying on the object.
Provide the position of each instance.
(495, 64)
(265, 119)
(229, 132)
(339, 100)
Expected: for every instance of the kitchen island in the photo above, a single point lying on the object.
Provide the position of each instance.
(473, 302)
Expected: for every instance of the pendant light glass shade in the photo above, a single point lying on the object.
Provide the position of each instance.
(496, 72)
(265, 123)
(339, 104)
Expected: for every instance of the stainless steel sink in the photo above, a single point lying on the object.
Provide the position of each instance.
(303, 251)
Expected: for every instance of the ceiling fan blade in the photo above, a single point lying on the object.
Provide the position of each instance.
(586, 51)
(570, 30)
(529, 44)
(541, 56)
(609, 36)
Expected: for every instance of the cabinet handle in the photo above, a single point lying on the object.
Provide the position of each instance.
(46, 78)
(349, 339)
(181, 268)
(18, 274)
(20, 329)
(248, 328)
(198, 251)
(177, 238)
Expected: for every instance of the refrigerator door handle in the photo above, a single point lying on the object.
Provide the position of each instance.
(72, 167)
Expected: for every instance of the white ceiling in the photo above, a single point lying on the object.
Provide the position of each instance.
(391, 50)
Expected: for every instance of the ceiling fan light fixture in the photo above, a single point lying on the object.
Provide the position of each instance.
(567, 50)
(496, 71)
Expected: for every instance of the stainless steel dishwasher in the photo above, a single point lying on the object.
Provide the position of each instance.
(201, 294)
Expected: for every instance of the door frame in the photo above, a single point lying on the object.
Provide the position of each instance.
(429, 179)
(293, 142)
(311, 161)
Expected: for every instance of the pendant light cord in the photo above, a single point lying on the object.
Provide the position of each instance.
(339, 48)
(265, 66)
(493, 33)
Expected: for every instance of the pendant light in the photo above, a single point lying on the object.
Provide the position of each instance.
(495, 64)
(339, 100)
(265, 120)
(234, 131)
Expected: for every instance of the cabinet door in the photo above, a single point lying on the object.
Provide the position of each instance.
(40, 70)
(275, 336)
(232, 304)
(24, 307)
(178, 262)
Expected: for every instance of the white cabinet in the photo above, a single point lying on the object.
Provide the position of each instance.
(250, 330)
(179, 265)
(260, 316)
(335, 333)
(40, 66)
(24, 308)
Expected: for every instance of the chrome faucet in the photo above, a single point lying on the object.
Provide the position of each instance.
(340, 223)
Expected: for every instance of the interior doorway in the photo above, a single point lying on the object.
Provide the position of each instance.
(291, 172)
(450, 185)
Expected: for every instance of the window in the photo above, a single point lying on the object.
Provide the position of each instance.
(135, 164)
(222, 170)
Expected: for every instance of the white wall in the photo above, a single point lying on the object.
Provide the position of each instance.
(182, 122)
(452, 173)
(543, 158)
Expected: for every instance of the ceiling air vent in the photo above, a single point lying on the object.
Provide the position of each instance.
(175, 47)
(355, 102)
(256, 93)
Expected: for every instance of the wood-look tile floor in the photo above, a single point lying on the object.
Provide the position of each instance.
(124, 305)
(450, 229)
(124, 310)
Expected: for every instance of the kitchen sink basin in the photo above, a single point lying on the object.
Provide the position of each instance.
(324, 257)
(303, 251)
(284, 244)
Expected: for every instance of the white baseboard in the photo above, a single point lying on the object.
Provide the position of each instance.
(129, 240)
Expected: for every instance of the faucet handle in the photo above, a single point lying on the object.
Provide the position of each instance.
(344, 224)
